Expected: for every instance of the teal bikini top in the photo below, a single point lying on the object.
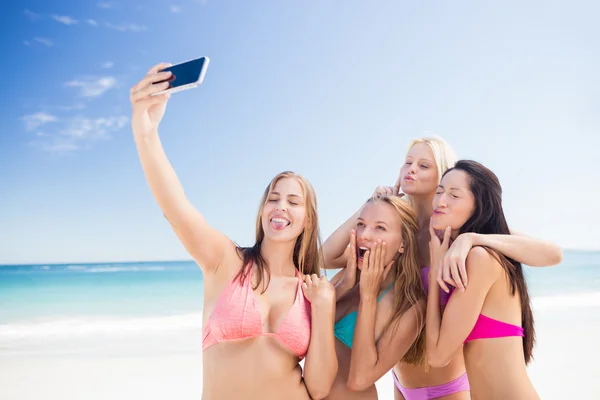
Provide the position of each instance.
(344, 328)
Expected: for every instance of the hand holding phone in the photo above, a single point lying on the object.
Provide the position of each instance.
(185, 75)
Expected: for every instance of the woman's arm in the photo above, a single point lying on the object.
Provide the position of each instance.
(445, 336)
(524, 249)
(372, 358)
(206, 245)
(321, 365)
(334, 248)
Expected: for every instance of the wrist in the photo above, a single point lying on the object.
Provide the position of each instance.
(474, 238)
(367, 299)
(343, 285)
(322, 306)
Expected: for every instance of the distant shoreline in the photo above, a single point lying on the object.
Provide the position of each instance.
(586, 251)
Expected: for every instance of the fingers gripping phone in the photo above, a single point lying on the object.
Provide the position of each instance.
(185, 75)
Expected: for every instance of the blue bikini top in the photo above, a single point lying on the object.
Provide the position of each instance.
(344, 328)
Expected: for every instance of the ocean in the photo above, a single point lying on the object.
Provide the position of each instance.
(57, 302)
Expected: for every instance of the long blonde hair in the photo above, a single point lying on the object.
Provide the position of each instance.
(408, 287)
(307, 257)
(443, 155)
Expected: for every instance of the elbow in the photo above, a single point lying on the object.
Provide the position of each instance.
(319, 392)
(437, 360)
(319, 389)
(358, 383)
(557, 256)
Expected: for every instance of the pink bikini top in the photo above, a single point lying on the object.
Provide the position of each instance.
(490, 328)
(236, 316)
(425, 279)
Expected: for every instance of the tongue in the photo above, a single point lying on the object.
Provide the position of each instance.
(278, 225)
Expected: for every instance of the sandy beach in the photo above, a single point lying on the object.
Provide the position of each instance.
(169, 364)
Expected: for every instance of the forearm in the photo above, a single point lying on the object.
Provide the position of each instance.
(524, 249)
(364, 355)
(336, 244)
(433, 321)
(161, 177)
(321, 365)
(338, 282)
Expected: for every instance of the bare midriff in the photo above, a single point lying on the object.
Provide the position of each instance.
(412, 376)
(254, 368)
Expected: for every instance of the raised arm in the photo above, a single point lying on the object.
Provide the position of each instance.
(524, 249)
(334, 248)
(321, 365)
(206, 245)
(445, 336)
(372, 357)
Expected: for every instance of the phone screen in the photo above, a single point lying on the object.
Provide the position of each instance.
(185, 73)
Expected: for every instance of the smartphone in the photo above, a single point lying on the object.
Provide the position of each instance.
(185, 75)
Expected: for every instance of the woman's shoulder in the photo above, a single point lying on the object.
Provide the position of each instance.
(481, 259)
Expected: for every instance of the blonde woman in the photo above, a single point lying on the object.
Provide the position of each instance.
(265, 307)
(424, 164)
(379, 314)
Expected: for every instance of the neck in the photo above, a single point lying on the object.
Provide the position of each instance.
(279, 256)
(423, 208)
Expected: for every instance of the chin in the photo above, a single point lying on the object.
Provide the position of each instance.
(437, 224)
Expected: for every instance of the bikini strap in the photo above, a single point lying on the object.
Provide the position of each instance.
(384, 292)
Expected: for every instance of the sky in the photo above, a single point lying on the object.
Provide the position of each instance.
(332, 90)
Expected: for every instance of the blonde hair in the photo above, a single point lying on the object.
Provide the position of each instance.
(443, 155)
(408, 287)
(307, 256)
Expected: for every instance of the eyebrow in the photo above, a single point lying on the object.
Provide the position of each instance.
(420, 159)
(289, 195)
(442, 187)
(377, 222)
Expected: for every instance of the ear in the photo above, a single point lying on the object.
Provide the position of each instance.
(401, 249)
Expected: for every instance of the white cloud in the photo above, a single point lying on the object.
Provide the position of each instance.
(92, 22)
(78, 132)
(63, 19)
(45, 41)
(175, 9)
(108, 64)
(76, 106)
(105, 4)
(126, 27)
(90, 87)
(34, 121)
(31, 15)
(98, 128)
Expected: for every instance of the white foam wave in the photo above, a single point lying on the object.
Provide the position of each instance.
(566, 301)
(109, 326)
(76, 267)
(115, 269)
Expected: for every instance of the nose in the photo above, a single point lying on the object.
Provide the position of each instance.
(413, 168)
(441, 201)
(366, 235)
(281, 205)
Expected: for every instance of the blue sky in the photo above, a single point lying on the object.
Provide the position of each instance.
(333, 90)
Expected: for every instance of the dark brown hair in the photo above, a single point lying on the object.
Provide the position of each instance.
(488, 218)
